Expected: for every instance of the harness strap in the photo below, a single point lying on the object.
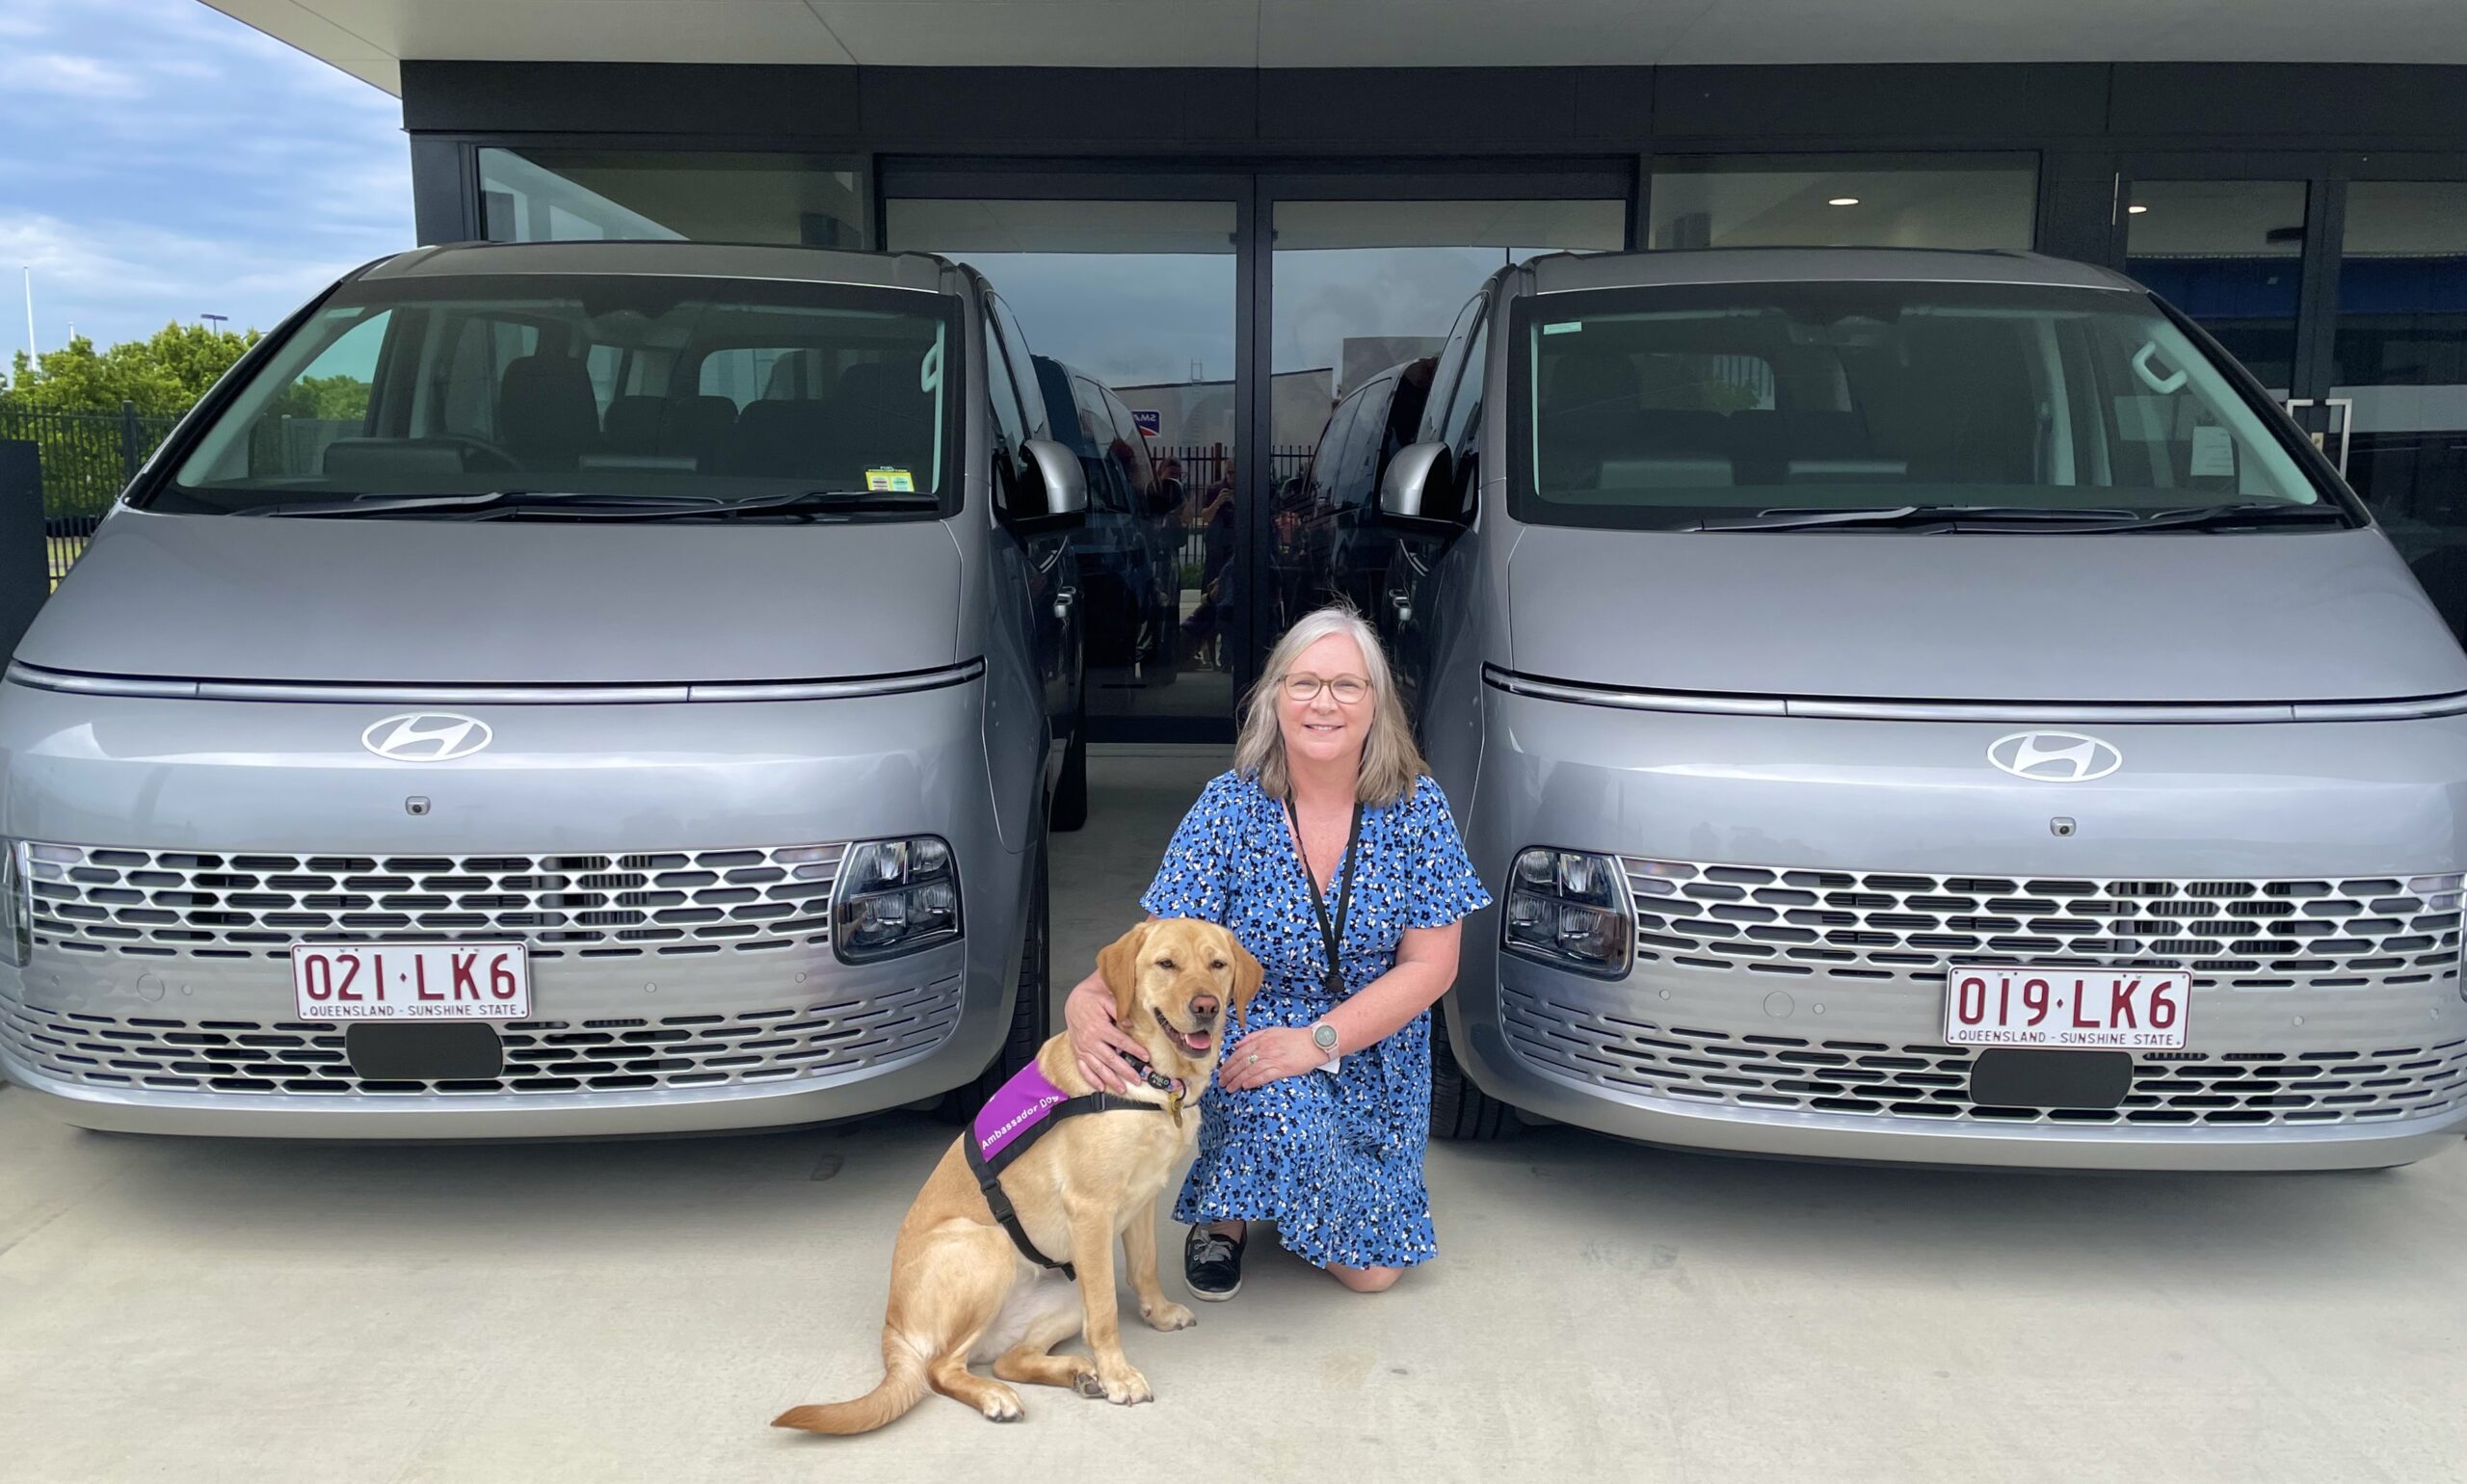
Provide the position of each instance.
(989, 1174)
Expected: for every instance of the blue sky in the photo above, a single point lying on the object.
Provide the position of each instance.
(159, 160)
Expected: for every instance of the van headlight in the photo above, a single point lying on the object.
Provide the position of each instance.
(895, 897)
(16, 905)
(1568, 909)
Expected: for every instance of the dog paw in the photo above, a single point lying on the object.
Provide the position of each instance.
(1002, 1405)
(1124, 1387)
(1167, 1317)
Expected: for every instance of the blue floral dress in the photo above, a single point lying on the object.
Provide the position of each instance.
(1334, 1160)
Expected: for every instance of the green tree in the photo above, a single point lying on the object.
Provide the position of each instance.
(162, 375)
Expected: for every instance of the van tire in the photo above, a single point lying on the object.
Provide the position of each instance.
(1071, 791)
(1031, 1010)
(1460, 1111)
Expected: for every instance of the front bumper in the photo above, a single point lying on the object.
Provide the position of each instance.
(1787, 998)
(681, 980)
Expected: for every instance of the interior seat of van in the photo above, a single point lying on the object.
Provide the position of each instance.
(546, 414)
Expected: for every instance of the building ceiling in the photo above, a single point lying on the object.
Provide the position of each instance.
(370, 37)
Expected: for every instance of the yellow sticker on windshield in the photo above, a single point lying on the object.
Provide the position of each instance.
(891, 481)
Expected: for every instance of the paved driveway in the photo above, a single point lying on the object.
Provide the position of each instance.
(198, 1312)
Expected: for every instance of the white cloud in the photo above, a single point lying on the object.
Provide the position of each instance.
(65, 75)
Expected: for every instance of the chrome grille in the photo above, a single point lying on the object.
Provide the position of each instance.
(2353, 933)
(169, 904)
(819, 1039)
(2335, 1086)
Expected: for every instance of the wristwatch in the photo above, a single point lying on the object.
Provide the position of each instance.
(1324, 1035)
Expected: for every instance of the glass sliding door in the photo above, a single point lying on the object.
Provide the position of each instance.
(2399, 353)
(1129, 305)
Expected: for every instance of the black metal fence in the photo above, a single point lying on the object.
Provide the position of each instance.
(87, 459)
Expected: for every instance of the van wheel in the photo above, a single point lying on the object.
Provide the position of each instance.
(1031, 1012)
(1070, 808)
(1458, 1109)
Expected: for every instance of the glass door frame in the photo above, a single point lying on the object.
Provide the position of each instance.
(1254, 188)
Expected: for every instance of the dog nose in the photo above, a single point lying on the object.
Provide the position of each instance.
(1206, 1006)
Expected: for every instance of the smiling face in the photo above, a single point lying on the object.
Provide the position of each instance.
(1325, 729)
(1174, 982)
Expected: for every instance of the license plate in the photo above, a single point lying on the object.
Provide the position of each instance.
(411, 981)
(2020, 1005)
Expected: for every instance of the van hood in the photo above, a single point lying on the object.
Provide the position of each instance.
(500, 602)
(2288, 616)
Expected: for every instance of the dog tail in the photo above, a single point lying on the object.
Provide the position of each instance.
(902, 1387)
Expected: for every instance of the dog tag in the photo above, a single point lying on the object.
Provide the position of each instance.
(1174, 1106)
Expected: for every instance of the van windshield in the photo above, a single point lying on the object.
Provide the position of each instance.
(395, 397)
(1885, 405)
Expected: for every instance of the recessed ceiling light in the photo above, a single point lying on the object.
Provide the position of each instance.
(2136, 210)
(1844, 200)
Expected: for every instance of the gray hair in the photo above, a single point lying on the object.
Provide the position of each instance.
(1391, 763)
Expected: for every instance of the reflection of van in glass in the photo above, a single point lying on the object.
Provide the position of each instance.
(1330, 544)
(1128, 553)
(1925, 706)
(559, 689)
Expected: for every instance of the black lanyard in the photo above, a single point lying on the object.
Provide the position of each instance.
(1333, 938)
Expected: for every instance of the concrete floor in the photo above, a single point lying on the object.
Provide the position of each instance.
(199, 1312)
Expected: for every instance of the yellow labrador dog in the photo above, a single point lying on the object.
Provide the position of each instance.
(983, 1267)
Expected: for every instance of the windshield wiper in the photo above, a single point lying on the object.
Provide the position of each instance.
(1947, 517)
(788, 503)
(487, 501)
(2231, 517)
(495, 504)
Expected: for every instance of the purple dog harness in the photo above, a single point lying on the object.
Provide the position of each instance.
(1023, 1111)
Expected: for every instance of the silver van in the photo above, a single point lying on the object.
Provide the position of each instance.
(590, 688)
(1924, 706)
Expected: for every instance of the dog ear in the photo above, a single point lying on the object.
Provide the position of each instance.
(1247, 976)
(1117, 961)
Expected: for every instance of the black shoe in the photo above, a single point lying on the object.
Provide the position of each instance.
(1212, 1264)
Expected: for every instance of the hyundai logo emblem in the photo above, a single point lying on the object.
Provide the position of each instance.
(2055, 757)
(426, 736)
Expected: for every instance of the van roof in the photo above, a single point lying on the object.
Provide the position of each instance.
(1563, 272)
(922, 270)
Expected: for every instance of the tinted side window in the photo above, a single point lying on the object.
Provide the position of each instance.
(1010, 418)
(1330, 452)
(1014, 346)
(1131, 448)
(1451, 362)
(1464, 422)
(1337, 467)
(1109, 483)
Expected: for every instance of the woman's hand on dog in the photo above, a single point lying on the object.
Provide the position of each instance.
(1269, 1055)
(1095, 1041)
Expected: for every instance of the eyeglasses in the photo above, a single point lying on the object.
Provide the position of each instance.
(1346, 689)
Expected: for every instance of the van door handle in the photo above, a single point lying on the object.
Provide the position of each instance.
(1062, 602)
(1402, 603)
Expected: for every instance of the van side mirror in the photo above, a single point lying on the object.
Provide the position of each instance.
(1413, 493)
(1064, 483)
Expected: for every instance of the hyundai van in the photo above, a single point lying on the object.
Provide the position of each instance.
(1923, 707)
(561, 689)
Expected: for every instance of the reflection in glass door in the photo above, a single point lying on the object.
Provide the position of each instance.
(1365, 293)
(2400, 377)
(1130, 308)
(2230, 254)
